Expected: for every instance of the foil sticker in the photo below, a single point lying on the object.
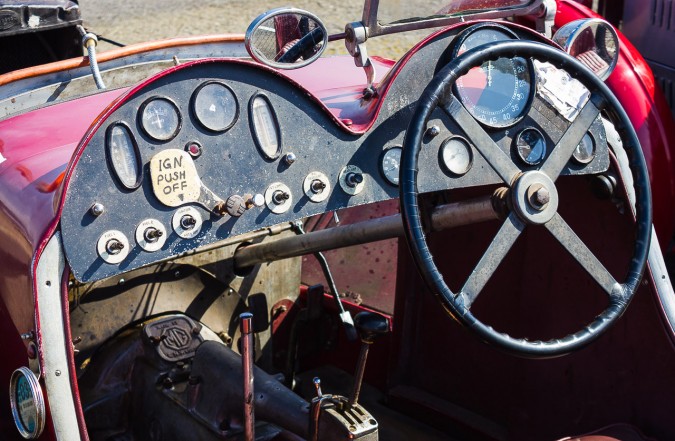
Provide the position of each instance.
(566, 94)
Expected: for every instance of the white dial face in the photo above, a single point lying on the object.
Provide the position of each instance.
(160, 119)
(391, 164)
(215, 107)
(456, 156)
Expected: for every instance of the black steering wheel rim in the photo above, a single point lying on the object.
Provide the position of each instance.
(439, 92)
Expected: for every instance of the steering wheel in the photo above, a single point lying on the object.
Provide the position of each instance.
(528, 189)
(303, 47)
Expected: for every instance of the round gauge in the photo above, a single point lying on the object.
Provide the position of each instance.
(530, 146)
(215, 106)
(160, 119)
(456, 155)
(498, 92)
(123, 155)
(585, 151)
(390, 164)
(27, 403)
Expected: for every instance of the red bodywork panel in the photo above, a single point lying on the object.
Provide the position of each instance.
(633, 84)
(37, 147)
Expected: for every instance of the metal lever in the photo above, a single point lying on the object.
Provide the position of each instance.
(369, 325)
(246, 328)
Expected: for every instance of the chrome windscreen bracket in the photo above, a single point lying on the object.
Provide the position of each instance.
(355, 41)
(546, 19)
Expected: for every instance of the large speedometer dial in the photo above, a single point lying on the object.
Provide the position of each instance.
(497, 93)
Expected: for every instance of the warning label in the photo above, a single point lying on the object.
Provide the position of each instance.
(174, 178)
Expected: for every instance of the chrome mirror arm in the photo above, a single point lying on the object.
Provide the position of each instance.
(356, 35)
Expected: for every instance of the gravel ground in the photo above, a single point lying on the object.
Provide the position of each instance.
(134, 21)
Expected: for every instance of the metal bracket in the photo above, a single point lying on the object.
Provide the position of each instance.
(355, 42)
(546, 19)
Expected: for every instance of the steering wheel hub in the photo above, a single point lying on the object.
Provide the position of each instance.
(535, 197)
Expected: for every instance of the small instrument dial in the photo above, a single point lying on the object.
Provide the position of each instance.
(390, 164)
(531, 146)
(456, 155)
(215, 106)
(160, 119)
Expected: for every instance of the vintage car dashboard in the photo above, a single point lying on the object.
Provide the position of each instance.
(217, 148)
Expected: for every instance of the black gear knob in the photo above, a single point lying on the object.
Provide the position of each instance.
(370, 325)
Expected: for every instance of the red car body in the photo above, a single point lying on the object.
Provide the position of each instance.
(39, 148)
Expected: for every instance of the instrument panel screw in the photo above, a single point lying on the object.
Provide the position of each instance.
(290, 158)
(433, 131)
(97, 209)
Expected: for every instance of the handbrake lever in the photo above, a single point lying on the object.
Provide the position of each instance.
(345, 316)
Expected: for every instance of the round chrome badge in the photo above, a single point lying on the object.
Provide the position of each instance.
(27, 402)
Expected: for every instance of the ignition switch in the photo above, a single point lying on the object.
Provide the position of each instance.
(114, 246)
(316, 186)
(352, 180)
(278, 198)
(151, 235)
(186, 222)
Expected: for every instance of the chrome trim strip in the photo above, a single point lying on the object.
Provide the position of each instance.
(52, 341)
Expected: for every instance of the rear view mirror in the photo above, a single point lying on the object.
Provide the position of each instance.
(286, 38)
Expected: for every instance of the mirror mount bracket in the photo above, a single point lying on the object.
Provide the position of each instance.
(356, 35)
(545, 21)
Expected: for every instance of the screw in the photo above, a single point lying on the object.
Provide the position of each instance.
(97, 209)
(290, 158)
(433, 131)
(57, 373)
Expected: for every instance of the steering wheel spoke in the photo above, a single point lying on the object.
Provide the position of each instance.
(498, 160)
(569, 239)
(563, 151)
(493, 256)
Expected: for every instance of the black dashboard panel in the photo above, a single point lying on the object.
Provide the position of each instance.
(230, 163)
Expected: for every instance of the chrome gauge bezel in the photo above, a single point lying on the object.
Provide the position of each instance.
(111, 163)
(519, 153)
(141, 111)
(254, 128)
(472, 30)
(193, 106)
(444, 165)
(38, 402)
(383, 157)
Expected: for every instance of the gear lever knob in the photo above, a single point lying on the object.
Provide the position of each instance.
(370, 325)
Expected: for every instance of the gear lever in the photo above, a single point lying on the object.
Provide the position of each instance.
(369, 325)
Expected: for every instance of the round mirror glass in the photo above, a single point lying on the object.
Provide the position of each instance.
(286, 38)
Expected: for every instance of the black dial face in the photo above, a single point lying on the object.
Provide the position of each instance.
(498, 92)
(390, 164)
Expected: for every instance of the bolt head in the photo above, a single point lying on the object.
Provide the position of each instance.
(539, 196)
(290, 158)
